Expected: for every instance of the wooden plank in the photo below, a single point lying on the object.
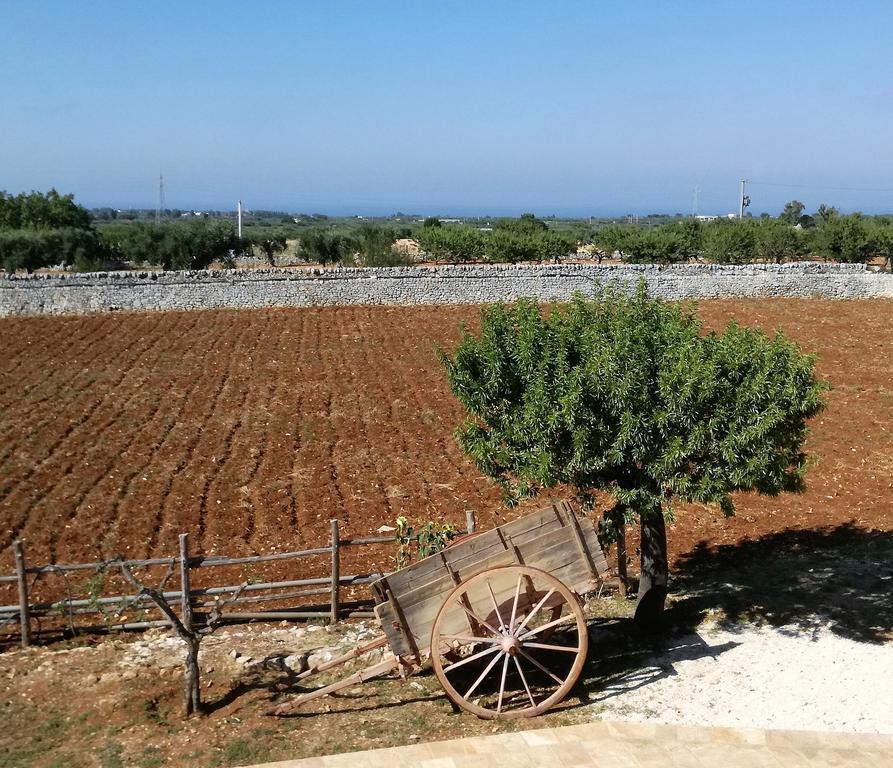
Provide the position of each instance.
(519, 531)
(541, 552)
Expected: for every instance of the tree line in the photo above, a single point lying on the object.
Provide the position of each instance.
(48, 229)
(829, 235)
(39, 230)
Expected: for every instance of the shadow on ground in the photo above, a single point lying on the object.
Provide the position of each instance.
(837, 577)
(840, 577)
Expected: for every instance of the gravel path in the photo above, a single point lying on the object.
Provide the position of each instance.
(759, 677)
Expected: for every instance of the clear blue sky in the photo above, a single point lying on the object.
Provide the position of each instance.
(438, 107)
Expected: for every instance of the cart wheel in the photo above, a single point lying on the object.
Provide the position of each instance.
(509, 642)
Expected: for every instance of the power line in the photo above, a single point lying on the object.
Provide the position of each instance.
(814, 186)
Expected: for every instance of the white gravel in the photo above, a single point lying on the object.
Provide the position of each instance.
(759, 677)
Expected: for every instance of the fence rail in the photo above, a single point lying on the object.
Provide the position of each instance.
(189, 598)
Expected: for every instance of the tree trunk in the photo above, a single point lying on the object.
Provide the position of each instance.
(654, 571)
(191, 683)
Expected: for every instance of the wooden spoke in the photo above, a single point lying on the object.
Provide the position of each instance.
(545, 647)
(505, 668)
(479, 621)
(477, 682)
(515, 606)
(463, 662)
(524, 680)
(540, 666)
(495, 605)
(488, 690)
(535, 610)
(549, 625)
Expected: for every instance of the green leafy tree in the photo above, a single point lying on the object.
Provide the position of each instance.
(792, 213)
(613, 239)
(511, 246)
(778, 242)
(882, 241)
(525, 224)
(627, 395)
(845, 238)
(431, 221)
(269, 244)
(37, 210)
(826, 213)
(655, 246)
(552, 246)
(326, 247)
(729, 242)
(376, 247)
(453, 244)
(174, 245)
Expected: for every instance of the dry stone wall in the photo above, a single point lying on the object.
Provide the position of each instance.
(470, 284)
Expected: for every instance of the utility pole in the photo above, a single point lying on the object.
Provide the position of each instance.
(240, 217)
(159, 212)
(744, 201)
(694, 202)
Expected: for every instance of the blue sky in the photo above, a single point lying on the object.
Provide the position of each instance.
(439, 107)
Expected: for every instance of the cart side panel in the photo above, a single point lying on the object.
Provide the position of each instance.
(556, 551)
(479, 547)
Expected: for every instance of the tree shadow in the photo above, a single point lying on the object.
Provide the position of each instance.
(622, 659)
(838, 577)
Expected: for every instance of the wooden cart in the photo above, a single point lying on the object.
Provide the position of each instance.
(498, 614)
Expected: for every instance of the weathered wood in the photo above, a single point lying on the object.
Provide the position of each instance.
(135, 600)
(281, 596)
(18, 550)
(519, 531)
(553, 548)
(470, 525)
(583, 547)
(215, 561)
(561, 544)
(185, 602)
(379, 642)
(388, 665)
(365, 540)
(336, 570)
(398, 625)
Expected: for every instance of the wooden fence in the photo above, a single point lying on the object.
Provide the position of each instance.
(193, 602)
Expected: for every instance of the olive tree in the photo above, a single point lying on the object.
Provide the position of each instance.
(625, 394)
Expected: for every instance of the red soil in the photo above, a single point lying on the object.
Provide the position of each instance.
(251, 429)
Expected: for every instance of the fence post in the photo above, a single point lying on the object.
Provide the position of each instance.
(24, 615)
(336, 571)
(469, 520)
(185, 598)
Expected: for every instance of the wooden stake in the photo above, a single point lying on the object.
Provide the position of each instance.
(336, 571)
(469, 520)
(24, 616)
(185, 599)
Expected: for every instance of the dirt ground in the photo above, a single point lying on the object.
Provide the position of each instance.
(250, 429)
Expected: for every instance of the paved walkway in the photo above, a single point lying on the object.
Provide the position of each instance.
(628, 745)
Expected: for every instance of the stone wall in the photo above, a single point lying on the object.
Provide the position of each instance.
(472, 284)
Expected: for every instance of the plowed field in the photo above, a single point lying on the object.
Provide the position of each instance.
(250, 429)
